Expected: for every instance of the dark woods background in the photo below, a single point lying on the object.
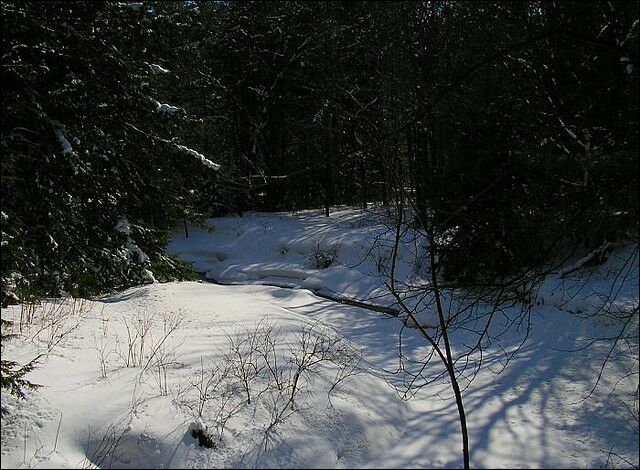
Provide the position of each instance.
(512, 127)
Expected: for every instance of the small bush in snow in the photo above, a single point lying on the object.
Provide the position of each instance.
(257, 372)
(324, 258)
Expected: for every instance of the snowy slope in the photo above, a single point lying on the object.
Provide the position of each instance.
(532, 414)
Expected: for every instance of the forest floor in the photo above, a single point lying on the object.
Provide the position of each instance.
(129, 379)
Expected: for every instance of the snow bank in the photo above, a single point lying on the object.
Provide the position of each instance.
(302, 250)
(349, 255)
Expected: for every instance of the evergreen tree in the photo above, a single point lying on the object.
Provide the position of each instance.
(93, 178)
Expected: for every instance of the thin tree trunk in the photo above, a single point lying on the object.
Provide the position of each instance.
(449, 363)
(445, 356)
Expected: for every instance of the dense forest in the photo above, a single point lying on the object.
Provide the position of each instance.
(510, 128)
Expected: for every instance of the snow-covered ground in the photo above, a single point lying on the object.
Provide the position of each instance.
(126, 378)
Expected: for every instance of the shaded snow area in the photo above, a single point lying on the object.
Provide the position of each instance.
(347, 255)
(202, 375)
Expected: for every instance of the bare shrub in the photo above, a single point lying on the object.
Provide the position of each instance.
(324, 257)
(106, 451)
(146, 347)
(52, 321)
(244, 358)
(137, 331)
(255, 372)
(104, 355)
(315, 348)
(208, 384)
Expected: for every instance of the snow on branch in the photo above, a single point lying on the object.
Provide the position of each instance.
(164, 107)
(123, 226)
(167, 108)
(66, 146)
(205, 161)
(156, 69)
(570, 132)
(132, 5)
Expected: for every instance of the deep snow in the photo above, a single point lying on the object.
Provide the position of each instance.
(532, 414)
